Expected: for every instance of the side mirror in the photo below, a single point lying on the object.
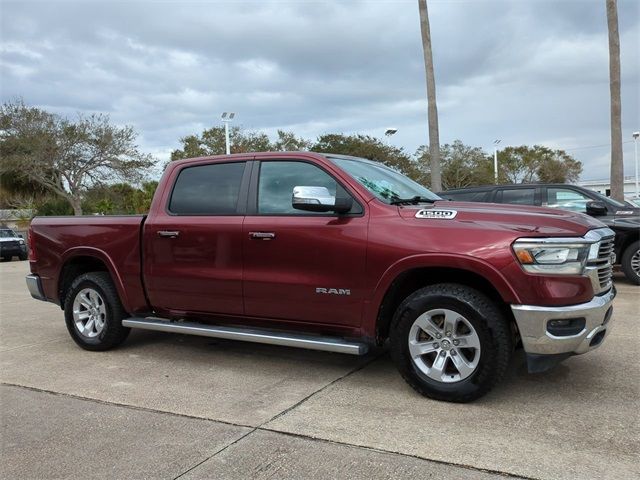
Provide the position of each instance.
(318, 199)
(596, 208)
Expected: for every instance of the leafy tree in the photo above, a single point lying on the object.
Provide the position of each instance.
(212, 142)
(119, 198)
(289, 142)
(67, 157)
(462, 165)
(54, 206)
(372, 148)
(526, 164)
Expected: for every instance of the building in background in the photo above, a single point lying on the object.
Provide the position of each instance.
(604, 186)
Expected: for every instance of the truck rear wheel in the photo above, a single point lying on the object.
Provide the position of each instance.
(93, 312)
(450, 342)
(631, 262)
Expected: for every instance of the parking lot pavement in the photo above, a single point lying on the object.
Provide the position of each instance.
(265, 454)
(305, 412)
(52, 436)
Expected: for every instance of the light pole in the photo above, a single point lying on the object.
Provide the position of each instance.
(226, 119)
(495, 160)
(635, 151)
(390, 131)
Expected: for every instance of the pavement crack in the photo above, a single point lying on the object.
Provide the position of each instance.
(216, 453)
(321, 389)
(261, 427)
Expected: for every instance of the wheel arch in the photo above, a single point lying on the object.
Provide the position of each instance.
(408, 276)
(627, 240)
(78, 261)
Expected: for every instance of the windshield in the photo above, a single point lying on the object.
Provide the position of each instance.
(633, 202)
(386, 184)
(7, 234)
(610, 200)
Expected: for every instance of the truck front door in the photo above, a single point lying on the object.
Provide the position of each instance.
(299, 265)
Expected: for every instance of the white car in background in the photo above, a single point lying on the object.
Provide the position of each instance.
(11, 245)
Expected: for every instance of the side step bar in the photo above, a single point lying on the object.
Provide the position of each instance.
(271, 337)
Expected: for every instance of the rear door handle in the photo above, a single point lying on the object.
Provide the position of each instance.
(169, 233)
(262, 235)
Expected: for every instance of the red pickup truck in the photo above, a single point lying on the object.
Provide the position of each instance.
(335, 253)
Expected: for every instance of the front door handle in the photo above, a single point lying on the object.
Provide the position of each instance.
(262, 235)
(169, 233)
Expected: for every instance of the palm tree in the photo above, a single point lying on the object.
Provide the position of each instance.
(434, 136)
(617, 167)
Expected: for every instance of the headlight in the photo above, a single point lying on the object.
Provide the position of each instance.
(549, 256)
(21, 242)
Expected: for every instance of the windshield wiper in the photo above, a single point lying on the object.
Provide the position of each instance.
(411, 201)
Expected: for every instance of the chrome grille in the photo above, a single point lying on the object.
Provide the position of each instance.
(603, 263)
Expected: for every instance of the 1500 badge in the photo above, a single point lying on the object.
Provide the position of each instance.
(436, 213)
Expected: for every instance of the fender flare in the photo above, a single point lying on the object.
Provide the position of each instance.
(436, 260)
(98, 254)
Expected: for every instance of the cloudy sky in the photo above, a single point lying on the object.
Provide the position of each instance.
(523, 71)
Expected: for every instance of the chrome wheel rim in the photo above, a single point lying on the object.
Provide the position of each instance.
(89, 313)
(444, 346)
(635, 263)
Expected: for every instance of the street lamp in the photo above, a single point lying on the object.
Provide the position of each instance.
(635, 151)
(495, 160)
(226, 119)
(390, 131)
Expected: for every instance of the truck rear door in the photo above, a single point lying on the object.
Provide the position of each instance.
(192, 240)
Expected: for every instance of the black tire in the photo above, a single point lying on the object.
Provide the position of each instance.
(491, 328)
(112, 333)
(5, 259)
(632, 250)
(23, 257)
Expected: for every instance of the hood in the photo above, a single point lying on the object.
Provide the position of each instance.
(627, 218)
(535, 221)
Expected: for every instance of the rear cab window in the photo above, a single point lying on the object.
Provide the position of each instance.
(211, 189)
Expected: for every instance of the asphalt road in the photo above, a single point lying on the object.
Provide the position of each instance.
(172, 406)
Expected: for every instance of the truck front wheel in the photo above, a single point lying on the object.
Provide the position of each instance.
(93, 312)
(450, 342)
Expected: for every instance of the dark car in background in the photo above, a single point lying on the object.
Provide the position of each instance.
(622, 218)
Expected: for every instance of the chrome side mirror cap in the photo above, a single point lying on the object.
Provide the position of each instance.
(318, 199)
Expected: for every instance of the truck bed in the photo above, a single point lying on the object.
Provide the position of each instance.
(60, 241)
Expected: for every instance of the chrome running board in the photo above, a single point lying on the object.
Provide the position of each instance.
(271, 337)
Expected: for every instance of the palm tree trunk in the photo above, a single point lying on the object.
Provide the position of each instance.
(617, 166)
(434, 135)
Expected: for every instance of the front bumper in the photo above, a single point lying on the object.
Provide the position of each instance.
(533, 325)
(35, 287)
(13, 251)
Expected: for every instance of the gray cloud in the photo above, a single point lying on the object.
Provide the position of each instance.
(523, 71)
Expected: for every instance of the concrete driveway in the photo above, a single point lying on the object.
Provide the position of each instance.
(172, 406)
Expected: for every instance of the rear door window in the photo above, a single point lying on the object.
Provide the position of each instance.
(517, 196)
(207, 189)
(466, 196)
